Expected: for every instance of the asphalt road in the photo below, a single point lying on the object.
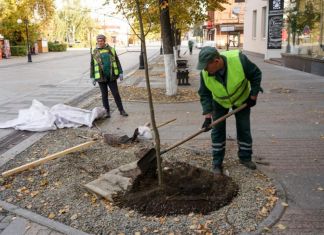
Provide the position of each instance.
(52, 78)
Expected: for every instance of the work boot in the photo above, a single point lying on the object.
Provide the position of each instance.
(218, 169)
(123, 113)
(107, 114)
(248, 164)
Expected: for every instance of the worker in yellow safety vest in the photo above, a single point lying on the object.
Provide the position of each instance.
(106, 69)
(228, 80)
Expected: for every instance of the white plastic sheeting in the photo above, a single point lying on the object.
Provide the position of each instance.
(39, 117)
(145, 132)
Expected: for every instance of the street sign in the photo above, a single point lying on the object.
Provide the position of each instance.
(227, 28)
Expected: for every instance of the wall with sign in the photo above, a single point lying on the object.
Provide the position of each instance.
(263, 27)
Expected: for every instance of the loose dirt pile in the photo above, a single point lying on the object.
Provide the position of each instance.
(56, 189)
(185, 189)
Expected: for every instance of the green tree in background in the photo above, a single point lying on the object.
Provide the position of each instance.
(183, 13)
(37, 12)
(72, 25)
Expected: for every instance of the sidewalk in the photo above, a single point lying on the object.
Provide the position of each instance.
(288, 131)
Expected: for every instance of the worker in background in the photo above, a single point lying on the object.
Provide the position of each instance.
(106, 69)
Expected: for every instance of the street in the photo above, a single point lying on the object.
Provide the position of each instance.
(52, 78)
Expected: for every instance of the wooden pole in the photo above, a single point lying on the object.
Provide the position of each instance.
(165, 123)
(46, 159)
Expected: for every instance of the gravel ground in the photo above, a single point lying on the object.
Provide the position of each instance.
(55, 190)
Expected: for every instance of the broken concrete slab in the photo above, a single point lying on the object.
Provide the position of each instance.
(115, 181)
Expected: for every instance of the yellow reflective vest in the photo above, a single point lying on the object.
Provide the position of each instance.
(98, 66)
(237, 88)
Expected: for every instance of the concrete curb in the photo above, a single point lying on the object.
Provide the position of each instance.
(277, 210)
(62, 228)
(11, 153)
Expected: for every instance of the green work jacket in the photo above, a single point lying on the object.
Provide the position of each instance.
(97, 69)
(241, 78)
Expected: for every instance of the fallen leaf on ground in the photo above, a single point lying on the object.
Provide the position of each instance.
(51, 215)
(74, 217)
(320, 189)
(162, 220)
(9, 199)
(176, 219)
(266, 229)
(29, 206)
(281, 226)
(43, 182)
(284, 204)
(58, 183)
(34, 193)
(191, 214)
(22, 190)
(137, 233)
(264, 211)
(30, 179)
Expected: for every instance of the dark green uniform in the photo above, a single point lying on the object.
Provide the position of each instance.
(209, 105)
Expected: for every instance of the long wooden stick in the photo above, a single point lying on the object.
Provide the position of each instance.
(167, 122)
(47, 158)
(214, 123)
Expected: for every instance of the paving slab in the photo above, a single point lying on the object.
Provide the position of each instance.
(288, 133)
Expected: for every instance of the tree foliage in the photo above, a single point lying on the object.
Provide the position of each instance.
(299, 19)
(183, 13)
(72, 24)
(37, 12)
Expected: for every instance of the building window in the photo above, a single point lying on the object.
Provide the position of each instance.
(254, 24)
(263, 23)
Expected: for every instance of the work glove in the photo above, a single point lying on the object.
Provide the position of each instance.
(250, 102)
(121, 77)
(206, 124)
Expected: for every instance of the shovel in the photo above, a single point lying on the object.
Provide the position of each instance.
(148, 160)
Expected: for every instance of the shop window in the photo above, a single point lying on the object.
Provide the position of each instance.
(263, 23)
(254, 24)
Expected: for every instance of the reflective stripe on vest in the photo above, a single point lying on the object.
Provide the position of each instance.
(237, 88)
(113, 64)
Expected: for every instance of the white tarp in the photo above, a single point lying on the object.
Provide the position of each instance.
(39, 117)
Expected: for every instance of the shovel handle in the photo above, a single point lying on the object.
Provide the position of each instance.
(214, 123)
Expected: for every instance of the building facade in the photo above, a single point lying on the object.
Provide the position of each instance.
(298, 28)
(229, 24)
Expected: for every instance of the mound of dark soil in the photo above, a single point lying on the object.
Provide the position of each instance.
(185, 189)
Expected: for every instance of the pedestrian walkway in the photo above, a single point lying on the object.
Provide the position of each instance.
(288, 134)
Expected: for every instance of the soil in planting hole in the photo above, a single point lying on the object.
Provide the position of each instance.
(185, 189)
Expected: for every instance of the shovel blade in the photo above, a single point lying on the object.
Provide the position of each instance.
(148, 161)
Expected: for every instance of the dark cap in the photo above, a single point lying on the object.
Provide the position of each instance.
(206, 55)
(101, 36)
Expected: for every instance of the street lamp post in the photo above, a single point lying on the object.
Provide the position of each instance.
(19, 21)
(141, 57)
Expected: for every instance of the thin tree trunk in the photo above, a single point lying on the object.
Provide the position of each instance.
(169, 62)
(148, 86)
